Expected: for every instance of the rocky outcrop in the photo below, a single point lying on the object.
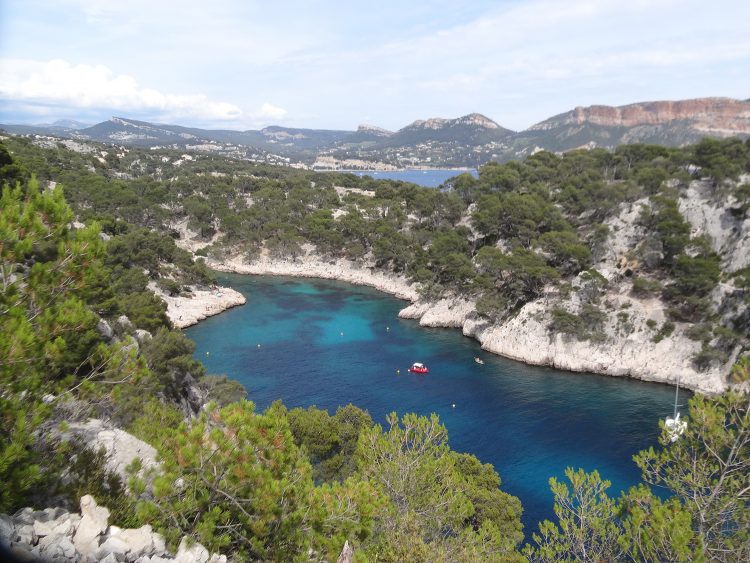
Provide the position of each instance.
(53, 534)
(712, 215)
(314, 266)
(717, 116)
(628, 349)
(120, 447)
(188, 308)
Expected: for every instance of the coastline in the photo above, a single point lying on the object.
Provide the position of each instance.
(524, 338)
(187, 310)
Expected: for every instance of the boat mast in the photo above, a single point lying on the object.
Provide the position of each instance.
(676, 393)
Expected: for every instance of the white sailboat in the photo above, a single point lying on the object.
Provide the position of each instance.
(674, 426)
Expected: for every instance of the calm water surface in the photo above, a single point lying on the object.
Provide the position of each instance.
(431, 178)
(328, 344)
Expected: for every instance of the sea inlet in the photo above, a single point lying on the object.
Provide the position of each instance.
(325, 343)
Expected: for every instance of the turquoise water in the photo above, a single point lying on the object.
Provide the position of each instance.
(431, 178)
(328, 344)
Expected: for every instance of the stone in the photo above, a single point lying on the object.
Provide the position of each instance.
(191, 552)
(7, 530)
(93, 523)
(125, 323)
(142, 335)
(120, 446)
(109, 558)
(25, 534)
(42, 529)
(24, 516)
(104, 328)
(57, 546)
(160, 545)
(140, 540)
(216, 558)
(112, 545)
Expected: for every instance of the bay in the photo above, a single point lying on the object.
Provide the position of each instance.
(430, 178)
(328, 344)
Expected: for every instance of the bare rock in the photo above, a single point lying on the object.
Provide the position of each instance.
(57, 547)
(191, 552)
(25, 534)
(93, 523)
(29, 515)
(140, 541)
(7, 530)
(142, 335)
(112, 545)
(125, 323)
(104, 328)
(120, 446)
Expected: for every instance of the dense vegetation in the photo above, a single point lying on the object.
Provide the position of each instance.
(519, 232)
(81, 335)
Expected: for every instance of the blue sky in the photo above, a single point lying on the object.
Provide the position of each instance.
(243, 64)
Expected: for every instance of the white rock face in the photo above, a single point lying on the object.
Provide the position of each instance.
(449, 313)
(89, 539)
(94, 522)
(709, 214)
(313, 266)
(121, 447)
(625, 353)
(200, 304)
(190, 552)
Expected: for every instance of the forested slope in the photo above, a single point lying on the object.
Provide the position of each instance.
(81, 336)
(642, 250)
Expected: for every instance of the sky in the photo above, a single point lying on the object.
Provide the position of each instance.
(246, 64)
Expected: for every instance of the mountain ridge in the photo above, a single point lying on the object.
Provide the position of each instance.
(468, 140)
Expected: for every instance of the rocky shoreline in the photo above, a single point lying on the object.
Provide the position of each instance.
(524, 338)
(187, 309)
(311, 266)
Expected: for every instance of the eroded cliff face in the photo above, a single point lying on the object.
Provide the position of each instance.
(629, 345)
(715, 116)
(628, 348)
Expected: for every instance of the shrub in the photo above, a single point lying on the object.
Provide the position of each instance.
(665, 331)
(643, 287)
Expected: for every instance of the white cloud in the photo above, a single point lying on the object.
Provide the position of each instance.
(270, 111)
(58, 82)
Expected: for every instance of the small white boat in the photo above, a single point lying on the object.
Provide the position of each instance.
(479, 360)
(675, 427)
(672, 424)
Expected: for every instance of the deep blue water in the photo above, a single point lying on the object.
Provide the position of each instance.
(431, 178)
(328, 344)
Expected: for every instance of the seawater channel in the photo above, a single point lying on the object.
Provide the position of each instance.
(327, 344)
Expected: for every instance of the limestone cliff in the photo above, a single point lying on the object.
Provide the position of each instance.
(715, 116)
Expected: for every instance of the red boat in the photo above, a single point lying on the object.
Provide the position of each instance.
(418, 368)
